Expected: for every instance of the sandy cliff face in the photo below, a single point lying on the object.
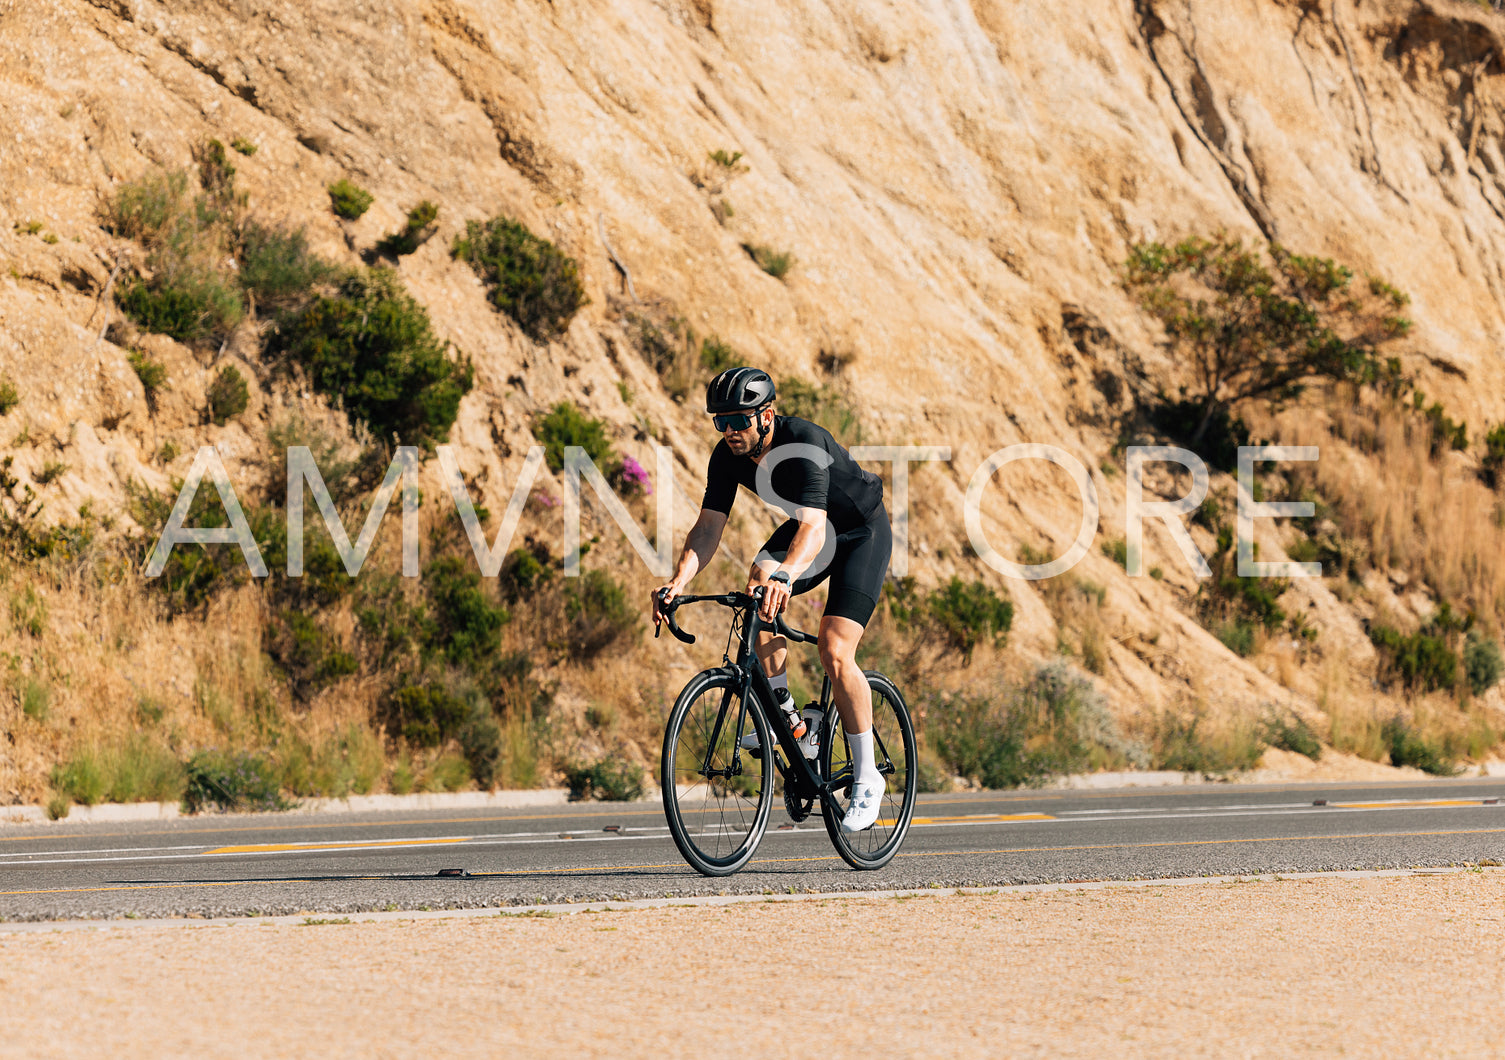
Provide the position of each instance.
(959, 182)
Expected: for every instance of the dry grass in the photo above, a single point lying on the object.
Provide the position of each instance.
(1401, 507)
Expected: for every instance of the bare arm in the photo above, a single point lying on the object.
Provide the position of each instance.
(804, 547)
(700, 546)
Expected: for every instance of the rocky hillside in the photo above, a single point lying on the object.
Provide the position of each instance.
(956, 187)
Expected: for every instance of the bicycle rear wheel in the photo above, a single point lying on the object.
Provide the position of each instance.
(716, 795)
(898, 761)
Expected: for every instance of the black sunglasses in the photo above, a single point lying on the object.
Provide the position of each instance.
(739, 421)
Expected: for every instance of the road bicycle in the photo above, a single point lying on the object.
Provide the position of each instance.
(718, 793)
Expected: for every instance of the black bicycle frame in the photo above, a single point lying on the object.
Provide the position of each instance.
(807, 782)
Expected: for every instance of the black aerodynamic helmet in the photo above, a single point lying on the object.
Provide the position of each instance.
(738, 390)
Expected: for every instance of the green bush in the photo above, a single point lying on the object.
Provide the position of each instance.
(774, 262)
(1235, 607)
(84, 778)
(426, 714)
(1055, 723)
(277, 268)
(1494, 455)
(244, 146)
(10, 397)
(232, 780)
(371, 345)
(193, 576)
(349, 201)
(189, 304)
(346, 761)
(1408, 747)
(1116, 549)
(413, 234)
(531, 279)
(524, 571)
(665, 346)
(465, 624)
(36, 699)
(566, 425)
(153, 375)
(610, 780)
(143, 769)
(216, 173)
(1290, 732)
(309, 654)
(144, 208)
(1445, 433)
(1181, 742)
(184, 290)
(1251, 329)
(1482, 662)
(1422, 661)
(968, 614)
(825, 405)
(599, 614)
(1238, 636)
(717, 356)
(450, 772)
(228, 395)
(481, 742)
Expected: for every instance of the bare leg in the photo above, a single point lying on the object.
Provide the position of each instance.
(771, 648)
(838, 654)
(773, 652)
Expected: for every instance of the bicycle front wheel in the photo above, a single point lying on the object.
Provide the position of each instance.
(716, 794)
(897, 759)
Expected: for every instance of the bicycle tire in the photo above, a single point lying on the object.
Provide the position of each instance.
(717, 822)
(876, 846)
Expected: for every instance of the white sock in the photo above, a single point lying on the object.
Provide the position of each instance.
(781, 681)
(864, 769)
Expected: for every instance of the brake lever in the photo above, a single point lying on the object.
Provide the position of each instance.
(668, 616)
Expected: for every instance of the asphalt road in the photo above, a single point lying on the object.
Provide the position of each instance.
(279, 864)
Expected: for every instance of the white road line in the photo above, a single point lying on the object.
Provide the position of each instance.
(417, 844)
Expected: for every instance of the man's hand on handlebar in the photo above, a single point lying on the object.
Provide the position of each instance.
(775, 594)
(662, 595)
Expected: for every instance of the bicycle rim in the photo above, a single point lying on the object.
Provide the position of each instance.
(717, 820)
(897, 758)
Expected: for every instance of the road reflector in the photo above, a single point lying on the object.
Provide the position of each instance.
(451, 872)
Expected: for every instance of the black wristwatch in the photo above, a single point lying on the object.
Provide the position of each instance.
(779, 576)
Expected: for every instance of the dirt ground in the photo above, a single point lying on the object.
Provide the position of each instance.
(1331, 967)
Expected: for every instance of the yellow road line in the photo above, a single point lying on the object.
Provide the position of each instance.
(980, 817)
(826, 857)
(313, 848)
(284, 827)
(1020, 850)
(1404, 804)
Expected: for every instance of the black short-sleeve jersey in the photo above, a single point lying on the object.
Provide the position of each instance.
(845, 492)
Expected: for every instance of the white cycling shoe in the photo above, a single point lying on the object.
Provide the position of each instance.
(862, 811)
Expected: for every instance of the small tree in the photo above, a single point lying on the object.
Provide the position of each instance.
(1249, 329)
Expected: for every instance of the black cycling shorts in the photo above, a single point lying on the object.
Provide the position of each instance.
(856, 570)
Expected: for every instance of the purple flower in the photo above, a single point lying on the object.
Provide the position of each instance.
(634, 478)
(544, 500)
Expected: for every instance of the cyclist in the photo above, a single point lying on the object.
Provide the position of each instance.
(813, 480)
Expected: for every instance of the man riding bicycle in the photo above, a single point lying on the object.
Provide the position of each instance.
(837, 530)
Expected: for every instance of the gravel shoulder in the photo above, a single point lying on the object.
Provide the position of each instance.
(1323, 966)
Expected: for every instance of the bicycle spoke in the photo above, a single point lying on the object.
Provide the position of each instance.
(717, 789)
(893, 744)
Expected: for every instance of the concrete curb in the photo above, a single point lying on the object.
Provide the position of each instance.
(311, 918)
(165, 811)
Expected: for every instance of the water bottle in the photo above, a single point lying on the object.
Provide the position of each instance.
(810, 742)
